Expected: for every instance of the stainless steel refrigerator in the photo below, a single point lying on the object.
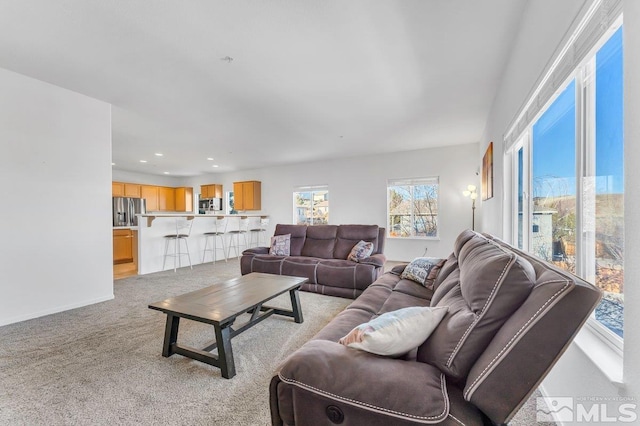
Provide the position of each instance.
(125, 210)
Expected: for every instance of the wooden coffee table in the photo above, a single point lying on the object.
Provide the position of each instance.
(219, 305)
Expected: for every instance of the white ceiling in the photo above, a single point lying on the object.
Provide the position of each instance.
(309, 79)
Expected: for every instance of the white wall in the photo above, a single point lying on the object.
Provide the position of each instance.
(357, 191)
(632, 196)
(546, 23)
(56, 215)
(146, 179)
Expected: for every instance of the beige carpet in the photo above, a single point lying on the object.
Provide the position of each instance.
(102, 364)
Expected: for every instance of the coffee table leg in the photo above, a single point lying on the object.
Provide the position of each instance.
(225, 353)
(295, 305)
(170, 335)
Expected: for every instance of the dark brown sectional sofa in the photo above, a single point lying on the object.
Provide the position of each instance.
(319, 253)
(510, 317)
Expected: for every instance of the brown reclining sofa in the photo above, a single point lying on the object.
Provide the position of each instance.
(319, 253)
(510, 317)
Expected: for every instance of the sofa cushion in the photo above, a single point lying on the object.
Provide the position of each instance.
(489, 286)
(300, 266)
(361, 250)
(410, 393)
(348, 235)
(298, 236)
(395, 333)
(423, 270)
(280, 245)
(346, 274)
(320, 241)
(266, 263)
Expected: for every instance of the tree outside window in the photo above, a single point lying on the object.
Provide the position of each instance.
(413, 208)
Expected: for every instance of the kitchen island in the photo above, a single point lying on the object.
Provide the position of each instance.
(152, 228)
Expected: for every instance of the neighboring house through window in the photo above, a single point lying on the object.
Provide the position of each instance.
(311, 205)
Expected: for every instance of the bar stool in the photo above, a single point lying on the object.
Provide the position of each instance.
(260, 232)
(243, 227)
(219, 230)
(183, 230)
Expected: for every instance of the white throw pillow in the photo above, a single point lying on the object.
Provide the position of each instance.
(397, 332)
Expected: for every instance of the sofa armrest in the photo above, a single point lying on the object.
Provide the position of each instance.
(349, 377)
(256, 250)
(375, 260)
(398, 269)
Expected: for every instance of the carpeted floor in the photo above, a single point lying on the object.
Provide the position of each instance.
(102, 364)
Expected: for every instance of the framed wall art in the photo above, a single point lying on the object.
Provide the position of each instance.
(487, 173)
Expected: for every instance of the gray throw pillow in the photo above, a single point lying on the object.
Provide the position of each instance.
(423, 270)
(280, 245)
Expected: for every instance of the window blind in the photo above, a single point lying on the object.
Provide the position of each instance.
(597, 18)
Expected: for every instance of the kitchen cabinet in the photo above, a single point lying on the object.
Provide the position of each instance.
(212, 190)
(150, 193)
(184, 199)
(247, 195)
(123, 189)
(166, 199)
(117, 189)
(132, 190)
(122, 246)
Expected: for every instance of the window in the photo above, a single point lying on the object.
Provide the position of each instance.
(570, 160)
(413, 208)
(311, 205)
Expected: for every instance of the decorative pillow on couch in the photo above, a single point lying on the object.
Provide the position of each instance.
(423, 270)
(280, 245)
(397, 332)
(360, 251)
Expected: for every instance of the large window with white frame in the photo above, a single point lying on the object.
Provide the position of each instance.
(412, 206)
(567, 179)
(311, 205)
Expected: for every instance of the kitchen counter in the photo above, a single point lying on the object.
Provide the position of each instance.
(151, 241)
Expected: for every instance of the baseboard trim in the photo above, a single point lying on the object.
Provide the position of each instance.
(54, 310)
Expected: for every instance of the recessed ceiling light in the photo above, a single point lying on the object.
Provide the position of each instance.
(215, 165)
(159, 154)
(167, 173)
(210, 158)
(143, 161)
(113, 164)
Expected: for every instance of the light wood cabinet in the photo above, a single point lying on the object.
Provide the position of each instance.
(117, 189)
(158, 198)
(247, 195)
(166, 199)
(123, 189)
(132, 190)
(184, 199)
(212, 190)
(122, 246)
(150, 193)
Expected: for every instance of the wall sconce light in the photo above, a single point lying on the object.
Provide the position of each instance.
(473, 194)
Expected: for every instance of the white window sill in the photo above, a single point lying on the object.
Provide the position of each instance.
(413, 238)
(606, 356)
